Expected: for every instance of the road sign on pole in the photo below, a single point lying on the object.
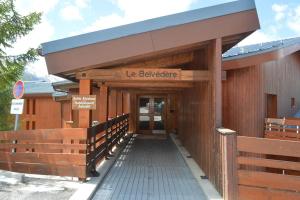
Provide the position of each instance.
(17, 104)
(18, 90)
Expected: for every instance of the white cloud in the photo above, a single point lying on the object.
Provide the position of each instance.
(71, 13)
(258, 37)
(25, 7)
(294, 20)
(138, 10)
(106, 22)
(82, 3)
(280, 11)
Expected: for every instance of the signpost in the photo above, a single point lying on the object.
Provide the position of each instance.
(84, 102)
(17, 104)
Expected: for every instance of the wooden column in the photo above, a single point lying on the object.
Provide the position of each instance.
(215, 92)
(103, 104)
(126, 102)
(215, 66)
(119, 103)
(85, 116)
(112, 104)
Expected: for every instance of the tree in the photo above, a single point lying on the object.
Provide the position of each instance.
(6, 119)
(12, 27)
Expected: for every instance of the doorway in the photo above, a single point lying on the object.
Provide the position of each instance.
(151, 115)
(271, 111)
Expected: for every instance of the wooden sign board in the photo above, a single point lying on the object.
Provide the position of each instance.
(84, 102)
(139, 74)
(151, 74)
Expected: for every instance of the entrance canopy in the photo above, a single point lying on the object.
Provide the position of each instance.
(168, 41)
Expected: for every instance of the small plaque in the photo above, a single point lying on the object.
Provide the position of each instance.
(84, 102)
(17, 106)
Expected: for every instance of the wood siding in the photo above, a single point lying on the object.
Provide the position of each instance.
(245, 94)
(243, 101)
(41, 112)
(196, 134)
(282, 78)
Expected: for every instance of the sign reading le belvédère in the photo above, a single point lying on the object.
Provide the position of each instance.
(152, 74)
(84, 102)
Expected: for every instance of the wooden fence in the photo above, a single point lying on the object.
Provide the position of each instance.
(251, 168)
(283, 129)
(62, 152)
(103, 137)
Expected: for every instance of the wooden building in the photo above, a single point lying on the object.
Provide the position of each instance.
(169, 76)
(166, 72)
(262, 80)
(41, 111)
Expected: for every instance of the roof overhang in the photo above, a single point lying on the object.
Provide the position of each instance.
(247, 60)
(161, 36)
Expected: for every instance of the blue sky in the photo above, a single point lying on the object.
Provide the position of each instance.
(63, 18)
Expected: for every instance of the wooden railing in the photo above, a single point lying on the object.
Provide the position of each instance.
(63, 152)
(261, 168)
(103, 137)
(283, 129)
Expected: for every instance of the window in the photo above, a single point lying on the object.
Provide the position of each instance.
(27, 125)
(293, 103)
(27, 106)
(33, 106)
(33, 125)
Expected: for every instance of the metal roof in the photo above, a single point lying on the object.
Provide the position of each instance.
(147, 26)
(250, 50)
(41, 88)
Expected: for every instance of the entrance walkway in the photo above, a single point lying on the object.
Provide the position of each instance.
(150, 169)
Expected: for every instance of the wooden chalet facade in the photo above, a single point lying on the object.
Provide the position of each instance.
(169, 76)
(170, 68)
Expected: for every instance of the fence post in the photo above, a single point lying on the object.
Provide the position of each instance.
(229, 163)
(106, 139)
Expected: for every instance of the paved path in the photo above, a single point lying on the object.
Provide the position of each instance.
(150, 169)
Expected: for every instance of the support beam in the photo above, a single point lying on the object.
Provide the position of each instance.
(103, 104)
(144, 74)
(119, 103)
(112, 104)
(139, 84)
(126, 102)
(215, 66)
(85, 115)
(214, 156)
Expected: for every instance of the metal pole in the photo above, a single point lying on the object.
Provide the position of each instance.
(16, 122)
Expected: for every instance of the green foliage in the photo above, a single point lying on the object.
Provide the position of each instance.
(12, 27)
(6, 119)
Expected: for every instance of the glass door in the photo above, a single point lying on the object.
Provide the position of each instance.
(144, 114)
(152, 114)
(158, 118)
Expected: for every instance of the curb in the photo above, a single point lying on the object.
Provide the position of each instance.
(209, 190)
